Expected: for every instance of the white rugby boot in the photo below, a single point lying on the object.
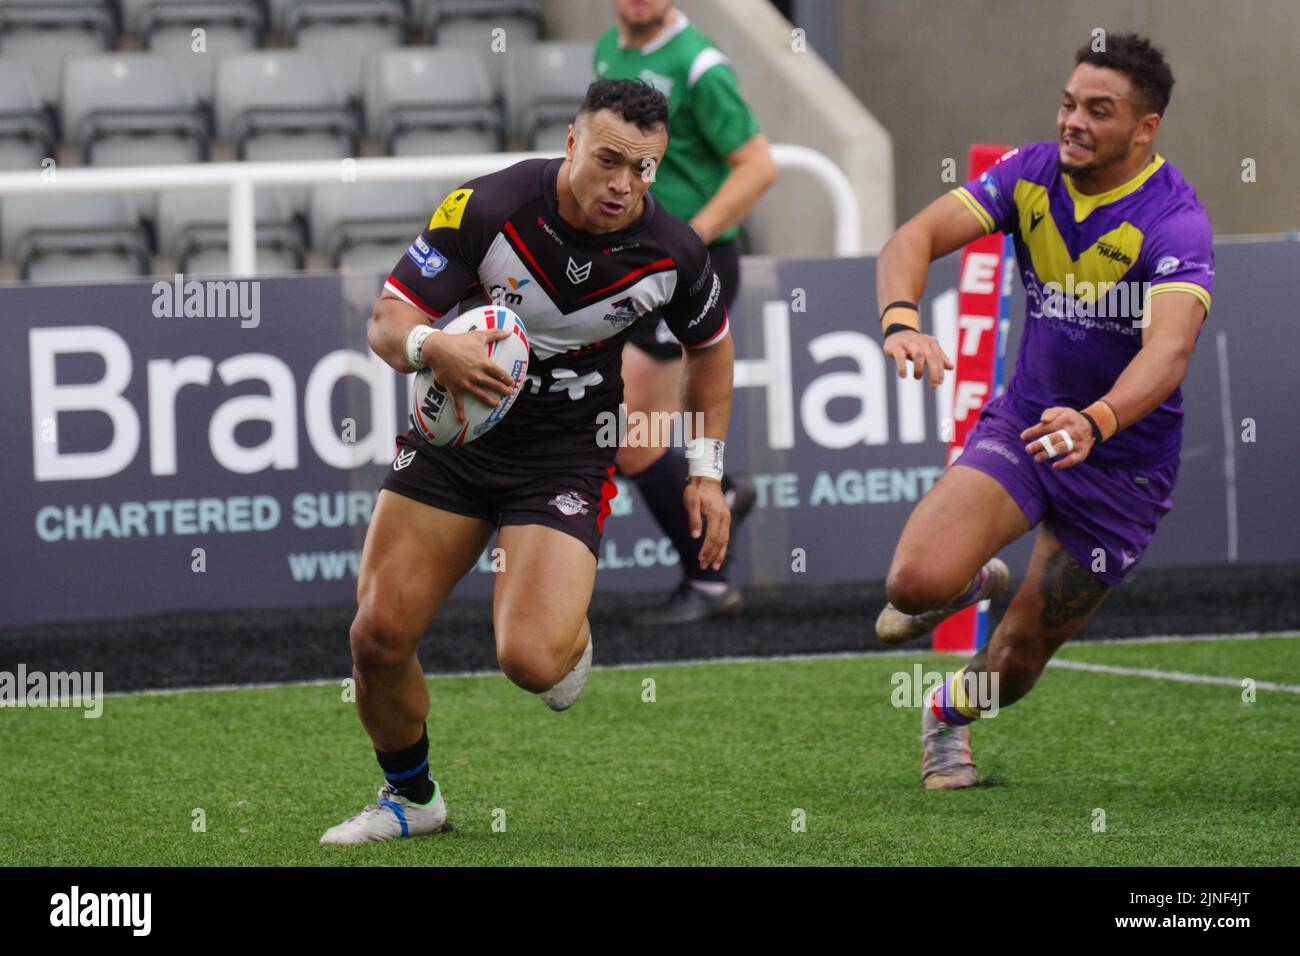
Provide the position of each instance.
(563, 694)
(895, 627)
(946, 761)
(393, 816)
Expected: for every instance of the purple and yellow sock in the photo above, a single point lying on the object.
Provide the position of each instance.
(972, 589)
(951, 704)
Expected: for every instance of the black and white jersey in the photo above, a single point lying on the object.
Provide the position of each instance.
(500, 238)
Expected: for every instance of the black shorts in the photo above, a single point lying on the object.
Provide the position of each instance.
(575, 500)
(651, 333)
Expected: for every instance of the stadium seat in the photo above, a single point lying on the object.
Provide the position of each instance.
(25, 135)
(193, 231)
(282, 105)
(470, 25)
(131, 109)
(365, 227)
(428, 100)
(343, 32)
(544, 85)
(44, 32)
(67, 238)
(166, 26)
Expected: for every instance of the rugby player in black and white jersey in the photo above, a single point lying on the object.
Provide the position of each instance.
(579, 249)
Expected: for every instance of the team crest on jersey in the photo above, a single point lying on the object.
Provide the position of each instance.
(451, 211)
(625, 313)
(577, 273)
(404, 458)
(569, 503)
(664, 84)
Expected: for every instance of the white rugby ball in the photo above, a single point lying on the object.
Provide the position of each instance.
(433, 410)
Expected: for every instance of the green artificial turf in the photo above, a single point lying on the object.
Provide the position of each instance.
(711, 772)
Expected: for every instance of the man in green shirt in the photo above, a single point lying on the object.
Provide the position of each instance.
(717, 167)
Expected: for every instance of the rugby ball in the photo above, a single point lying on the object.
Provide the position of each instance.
(433, 410)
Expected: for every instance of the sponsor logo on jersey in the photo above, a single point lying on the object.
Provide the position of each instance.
(1166, 265)
(1106, 250)
(625, 313)
(429, 259)
(577, 273)
(501, 295)
(404, 458)
(451, 211)
(704, 276)
(569, 503)
(990, 186)
(708, 306)
(546, 228)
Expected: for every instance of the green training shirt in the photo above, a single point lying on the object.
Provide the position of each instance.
(708, 119)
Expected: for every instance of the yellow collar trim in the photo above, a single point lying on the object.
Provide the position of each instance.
(1084, 205)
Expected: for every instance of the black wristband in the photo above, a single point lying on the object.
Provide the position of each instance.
(899, 327)
(900, 304)
(1096, 430)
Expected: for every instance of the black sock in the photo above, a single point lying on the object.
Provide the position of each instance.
(407, 771)
(661, 485)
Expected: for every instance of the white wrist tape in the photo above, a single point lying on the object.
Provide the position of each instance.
(704, 458)
(415, 341)
(1064, 436)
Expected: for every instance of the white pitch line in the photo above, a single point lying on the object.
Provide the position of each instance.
(1176, 676)
(750, 659)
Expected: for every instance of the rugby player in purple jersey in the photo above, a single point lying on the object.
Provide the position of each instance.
(1115, 254)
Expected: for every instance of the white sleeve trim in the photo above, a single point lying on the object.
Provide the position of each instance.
(704, 61)
(715, 338)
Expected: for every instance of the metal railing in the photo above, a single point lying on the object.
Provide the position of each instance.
(242, 178)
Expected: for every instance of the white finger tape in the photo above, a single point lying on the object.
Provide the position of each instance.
(1064, 436)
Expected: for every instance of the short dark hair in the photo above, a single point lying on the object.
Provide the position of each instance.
(1137, 58)
(635, 100)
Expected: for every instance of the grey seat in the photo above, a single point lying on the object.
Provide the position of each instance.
(430, 100)
(545, 84)
(166, 27)
(365, 227)
(25, 135)
(472, 25)
(132, 109)
(443, 21)
(344, 32)
(73, 238)
(193, 229)
(282, 105)
(44, 32)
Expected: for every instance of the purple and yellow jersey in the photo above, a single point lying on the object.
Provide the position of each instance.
(1087, 263)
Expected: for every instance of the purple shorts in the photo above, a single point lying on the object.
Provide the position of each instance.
(1104, 516)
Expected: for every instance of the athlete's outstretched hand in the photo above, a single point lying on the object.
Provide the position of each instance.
(923, 350)
(705, 504)
(460, 363)
(1052, 422)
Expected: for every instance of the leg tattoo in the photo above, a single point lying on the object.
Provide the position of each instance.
(1069, 592)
